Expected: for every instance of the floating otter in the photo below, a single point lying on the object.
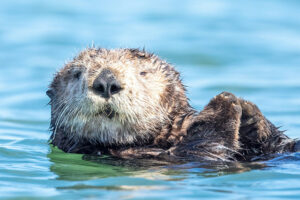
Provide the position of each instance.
(131, 104)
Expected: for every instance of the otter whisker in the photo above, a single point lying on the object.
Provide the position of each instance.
(74, 114)
(57, 122)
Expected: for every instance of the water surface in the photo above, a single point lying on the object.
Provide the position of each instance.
(248, 48)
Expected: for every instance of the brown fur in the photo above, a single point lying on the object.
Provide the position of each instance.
(151, 116)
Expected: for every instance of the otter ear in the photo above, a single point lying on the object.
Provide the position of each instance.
(50, 93)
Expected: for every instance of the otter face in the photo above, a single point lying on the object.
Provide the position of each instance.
(113, 96)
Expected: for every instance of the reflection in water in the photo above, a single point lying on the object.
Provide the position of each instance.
(113, 187)
(75, 167)
(72, 167)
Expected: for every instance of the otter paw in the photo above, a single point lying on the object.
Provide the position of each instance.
(222, 115)
(253, 122)
(226, 101)
(227, 96)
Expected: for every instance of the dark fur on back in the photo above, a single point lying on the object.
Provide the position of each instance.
(167, 127)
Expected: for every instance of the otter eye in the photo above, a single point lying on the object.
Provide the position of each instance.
(77, 74)
(143, 73)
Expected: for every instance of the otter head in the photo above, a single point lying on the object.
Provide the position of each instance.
(118, 96)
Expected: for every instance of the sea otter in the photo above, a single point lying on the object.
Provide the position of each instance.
(131, 104)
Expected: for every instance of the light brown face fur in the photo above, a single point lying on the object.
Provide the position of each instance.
(146, 103)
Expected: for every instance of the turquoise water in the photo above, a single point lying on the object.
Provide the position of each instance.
(250, 48)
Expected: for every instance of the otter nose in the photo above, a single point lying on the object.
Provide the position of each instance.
(106, 84)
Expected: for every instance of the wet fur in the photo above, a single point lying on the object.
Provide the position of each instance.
(151, 117)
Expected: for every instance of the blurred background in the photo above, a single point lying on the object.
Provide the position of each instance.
(250, 48)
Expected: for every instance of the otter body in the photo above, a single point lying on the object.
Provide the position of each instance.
(131, 104)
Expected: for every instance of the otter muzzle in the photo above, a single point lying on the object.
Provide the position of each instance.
(106, 84)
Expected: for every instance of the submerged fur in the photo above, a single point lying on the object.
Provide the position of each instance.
(151, 115)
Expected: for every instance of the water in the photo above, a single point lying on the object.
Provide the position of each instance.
(250, 48)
